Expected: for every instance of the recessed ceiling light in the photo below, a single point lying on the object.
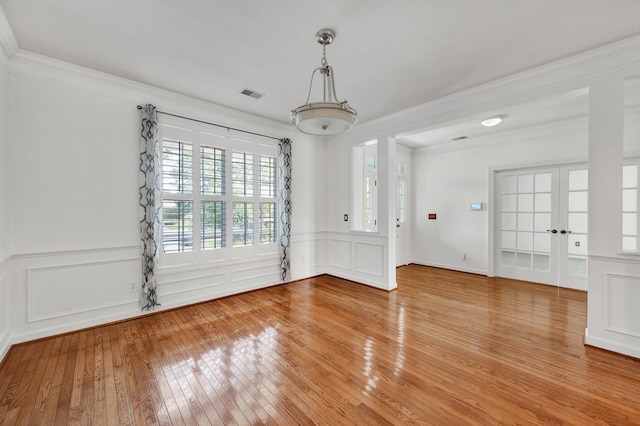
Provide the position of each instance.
(493, 121)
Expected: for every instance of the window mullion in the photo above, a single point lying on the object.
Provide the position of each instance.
(255, 197)
(197, 211)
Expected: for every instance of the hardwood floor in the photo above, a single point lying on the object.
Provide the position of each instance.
(445, 348)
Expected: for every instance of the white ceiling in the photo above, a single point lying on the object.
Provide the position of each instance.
(387, 56)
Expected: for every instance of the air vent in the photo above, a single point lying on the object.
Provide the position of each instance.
(252, 93)
(459, 138)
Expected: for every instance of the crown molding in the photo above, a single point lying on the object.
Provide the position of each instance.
(524, 134)
(53, 71)
(7, 41)
(571, 73)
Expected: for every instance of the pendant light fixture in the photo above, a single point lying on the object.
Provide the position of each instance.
(329, 116)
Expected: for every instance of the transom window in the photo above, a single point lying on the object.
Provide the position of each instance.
(218, 195)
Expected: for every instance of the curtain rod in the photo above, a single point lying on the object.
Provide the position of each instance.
(214, 124)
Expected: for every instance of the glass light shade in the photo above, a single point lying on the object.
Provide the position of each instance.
(324, 118)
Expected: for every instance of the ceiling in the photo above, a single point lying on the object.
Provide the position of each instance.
(387, 56)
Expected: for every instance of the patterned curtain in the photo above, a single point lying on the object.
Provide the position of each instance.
(284, 162)
(150, 203)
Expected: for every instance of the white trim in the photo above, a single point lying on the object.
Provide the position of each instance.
(30, 271)
(7, 41)
(166, 271)
(364, 271)
(189, 300)
(606, 304)
(491, 243)
(358, 279)
(450, 267)
(27, 336)
(614, 257)
(5, 343)
(355, 235)
(161, 286)
(42, 68)
(573, 72)
(519, 135)
(610, 345)
(74, 252)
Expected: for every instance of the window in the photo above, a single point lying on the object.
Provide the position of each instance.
(370, 191)
(177, 190)
(209, 181)
(630, 207)
(364, 187)
(402, 202)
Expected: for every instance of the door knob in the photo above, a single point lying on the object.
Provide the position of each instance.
(565, 232)
(553, 231)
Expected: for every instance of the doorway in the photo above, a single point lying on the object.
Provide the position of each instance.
(541, 225)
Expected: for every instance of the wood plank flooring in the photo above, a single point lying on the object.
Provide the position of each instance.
(446, 348)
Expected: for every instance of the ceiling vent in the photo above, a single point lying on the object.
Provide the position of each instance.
(252, 93)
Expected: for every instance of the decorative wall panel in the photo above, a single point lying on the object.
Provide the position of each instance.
(69, 289)
(621, 297)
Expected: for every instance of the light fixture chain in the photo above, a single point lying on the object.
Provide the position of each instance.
(324, 55)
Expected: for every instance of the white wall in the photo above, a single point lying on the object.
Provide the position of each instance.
(445, 183)
(5, 224)
(359, 256)
(74, 210)
(64, 274)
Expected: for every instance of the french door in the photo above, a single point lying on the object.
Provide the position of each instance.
(541, 225)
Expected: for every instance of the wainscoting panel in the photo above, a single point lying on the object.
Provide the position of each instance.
(359, 257)
(613, 317)
(369, 258)
(622, 295)
(172, 285)
(60, 291)
(265, 273)
(63, 290)
(307, 255)
(340, 253)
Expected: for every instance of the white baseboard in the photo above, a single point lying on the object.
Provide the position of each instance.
(609, 345)
(451, 267)
(5, 344)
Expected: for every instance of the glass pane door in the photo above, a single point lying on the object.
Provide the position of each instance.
(577, 220)
(542, 225)
(526, 212)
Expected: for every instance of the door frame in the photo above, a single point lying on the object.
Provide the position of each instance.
(493, 217)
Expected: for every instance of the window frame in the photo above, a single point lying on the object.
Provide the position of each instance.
(198, 136)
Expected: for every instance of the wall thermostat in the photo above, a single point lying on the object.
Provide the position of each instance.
(476, 206)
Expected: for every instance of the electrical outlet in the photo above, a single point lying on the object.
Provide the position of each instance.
(132, 287)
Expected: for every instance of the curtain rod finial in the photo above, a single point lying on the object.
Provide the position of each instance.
(139, 106)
